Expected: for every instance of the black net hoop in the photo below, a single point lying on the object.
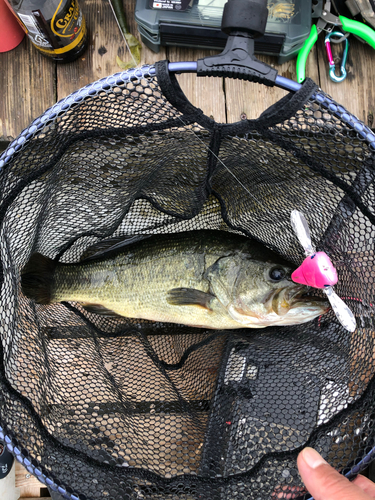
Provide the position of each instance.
(103, 408)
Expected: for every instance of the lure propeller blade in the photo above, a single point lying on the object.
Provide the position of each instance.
(317, 271)
(301, 228)
(342, 311)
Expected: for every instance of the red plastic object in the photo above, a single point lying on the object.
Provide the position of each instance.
(11, 32)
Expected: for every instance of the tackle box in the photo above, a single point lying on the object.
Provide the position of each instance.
(197, 24)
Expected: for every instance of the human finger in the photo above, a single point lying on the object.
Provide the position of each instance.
(366, 485)
(323, 482)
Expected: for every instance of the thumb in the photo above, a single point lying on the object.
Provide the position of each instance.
(323, 482)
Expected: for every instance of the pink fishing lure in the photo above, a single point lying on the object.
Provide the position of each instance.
(317, 271)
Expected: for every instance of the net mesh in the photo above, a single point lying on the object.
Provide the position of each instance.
(108, 408)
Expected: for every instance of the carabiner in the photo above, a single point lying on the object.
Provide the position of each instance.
(331, 62)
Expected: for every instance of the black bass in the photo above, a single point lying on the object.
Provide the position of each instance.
(206, 279)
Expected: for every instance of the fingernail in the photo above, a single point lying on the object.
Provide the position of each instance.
(312, 458)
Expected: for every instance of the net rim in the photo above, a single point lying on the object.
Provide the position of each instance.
(106, 83)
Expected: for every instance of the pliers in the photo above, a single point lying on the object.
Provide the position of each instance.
(328, 22)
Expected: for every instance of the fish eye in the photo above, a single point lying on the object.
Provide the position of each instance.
(277, 274)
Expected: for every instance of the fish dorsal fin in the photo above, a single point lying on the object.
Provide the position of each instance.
(189, 297)
(99, 309)
(102, 249)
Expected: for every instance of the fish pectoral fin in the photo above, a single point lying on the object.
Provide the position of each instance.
(189, 297)
(99, 309)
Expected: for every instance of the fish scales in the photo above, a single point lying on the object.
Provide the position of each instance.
(207, 278)
(134, 284)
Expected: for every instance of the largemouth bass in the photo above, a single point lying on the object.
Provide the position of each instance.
(207, 279)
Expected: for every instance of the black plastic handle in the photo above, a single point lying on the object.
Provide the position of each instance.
(243, 20)
(245, 15)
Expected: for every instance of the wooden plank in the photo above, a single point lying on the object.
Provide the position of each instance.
(170, 431)
(357, 91)
(30, 85)
(195, 380)
(99, 60)
(105, 44)
(147, 55)
(247, 100)
(27, 483)
(27, 83)
(204, 93)
(176, 437)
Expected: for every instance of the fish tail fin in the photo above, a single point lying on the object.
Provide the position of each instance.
(37, 278)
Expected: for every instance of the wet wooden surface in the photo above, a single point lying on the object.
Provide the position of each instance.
(30, 83)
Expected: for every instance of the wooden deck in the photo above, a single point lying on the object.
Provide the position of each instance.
(30, 83)
(29, 486)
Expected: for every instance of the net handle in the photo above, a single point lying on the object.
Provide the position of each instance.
(192, 67)
(243, 21)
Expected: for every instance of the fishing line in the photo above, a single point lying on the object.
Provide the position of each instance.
(231, 173)
(127, 45)
(123, 36)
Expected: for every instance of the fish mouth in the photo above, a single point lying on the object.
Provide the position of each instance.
(303, 294)
(310, 304)
(288, 299)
